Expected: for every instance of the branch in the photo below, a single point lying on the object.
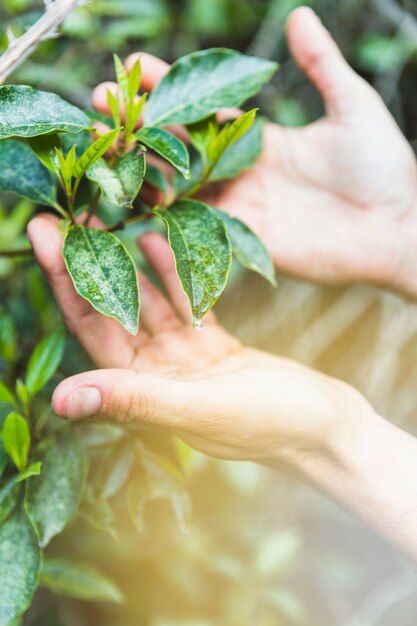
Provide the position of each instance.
(44, 28)
(398, 17)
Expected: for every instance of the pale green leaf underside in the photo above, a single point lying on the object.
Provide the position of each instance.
(248, 248)
(22, 173)
(120, 185)
(27, 112)
(77, 580)
(20, 562)
(168, 147)
(202, 253)
(103, 273)
(201, 83)
(53, 498)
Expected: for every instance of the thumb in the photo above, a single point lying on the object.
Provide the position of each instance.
(123, 395)
(318, 56)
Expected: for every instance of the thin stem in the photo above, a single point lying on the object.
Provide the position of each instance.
(16, 252)
(131, 220)
(93, 207)
(61, 211)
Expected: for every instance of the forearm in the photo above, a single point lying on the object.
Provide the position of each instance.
(375, 478)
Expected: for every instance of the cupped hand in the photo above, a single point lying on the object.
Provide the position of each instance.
(334, 201)
(226, 400)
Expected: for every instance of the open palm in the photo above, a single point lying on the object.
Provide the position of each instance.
(223, 398)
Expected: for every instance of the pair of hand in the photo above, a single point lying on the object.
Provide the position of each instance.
(334, 201)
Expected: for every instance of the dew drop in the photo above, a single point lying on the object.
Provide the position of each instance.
(98, 298)
(199, 325)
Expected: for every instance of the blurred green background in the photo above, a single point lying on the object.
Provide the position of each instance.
(263, 550)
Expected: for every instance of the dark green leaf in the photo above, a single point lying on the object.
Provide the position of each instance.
(77, 580)
(6, 396)
(44, 361)
(248, 248)
(22, 173)
(156, 178)
(98, 513)
(4, 457)
(16, 439)
(32, 470)
(20, 563)
(94, 152)
(27, 112)
(241, 155)
(103, 273)
(202, 253)
(9, 497)
(44, 148)
(167, 146)
(204, 82)
(53, 498)
(120, 185)
(23, 395)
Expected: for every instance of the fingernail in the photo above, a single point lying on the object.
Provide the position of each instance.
(84, 402)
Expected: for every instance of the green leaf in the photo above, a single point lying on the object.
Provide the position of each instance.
(158, 480)
(229, 134)
(98, 513)
(121, 76)
(241, 155)
(114, 469)
(202, 253)
(248, 248)
(114, 106)
(54, 497)
(156, 178)
(103, 273)
(44, 361)
(23, 395)
(32, 470)
(134, 80)
(16, 439)
(27, 112)
(167, 146)
(77, 580)
(98, 435)
(6, 396)
(22, 173)
(66, 167)
(9, 497)
(200, 134)
(4, 457)
(120, 185)
(44, 148)
(203, 82)
(94, 152)
(20, 560)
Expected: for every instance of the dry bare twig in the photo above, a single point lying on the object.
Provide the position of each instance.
(45, 28)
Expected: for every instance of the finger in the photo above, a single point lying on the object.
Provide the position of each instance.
(153, 69)
(107, 343)
(157, 315)
(122, 395)
(319, 57)
(159, 255)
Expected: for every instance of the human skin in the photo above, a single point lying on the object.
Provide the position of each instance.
(234, 402)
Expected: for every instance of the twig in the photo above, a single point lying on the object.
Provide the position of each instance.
(45, 28)
(16, 252)
(398, 17)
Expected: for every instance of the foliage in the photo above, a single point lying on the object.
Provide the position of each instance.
(232, 567)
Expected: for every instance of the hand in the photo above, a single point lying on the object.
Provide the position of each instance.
(335, 201)
(224, 399)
